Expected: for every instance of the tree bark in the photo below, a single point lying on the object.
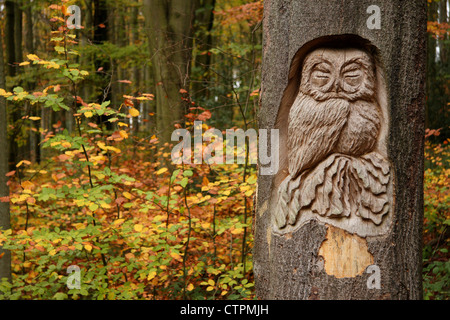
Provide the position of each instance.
(321, 259)
(203, 43)
(169, 26)
(9, 36)
(5, 255)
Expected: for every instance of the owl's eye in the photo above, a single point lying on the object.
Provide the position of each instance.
(320, 77)
(353, 77)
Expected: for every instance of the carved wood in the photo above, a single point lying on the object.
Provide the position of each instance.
(338, 170)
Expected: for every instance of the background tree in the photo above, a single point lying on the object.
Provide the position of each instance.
(170, 30)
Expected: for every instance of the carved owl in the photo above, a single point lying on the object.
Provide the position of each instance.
(336, 110)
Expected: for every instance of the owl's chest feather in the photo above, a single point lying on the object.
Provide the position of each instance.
(360, 133)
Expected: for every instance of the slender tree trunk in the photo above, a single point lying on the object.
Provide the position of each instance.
(86, 37)
(29, 37)
(431, 67)
(170, 38)
(102, 63)
(204, 20)
(319, 235)
(9, 36)
(5, 255)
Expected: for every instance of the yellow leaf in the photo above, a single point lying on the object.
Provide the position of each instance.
(118, 222)
(249, 193)
(25, 63)
(101, 145)
(35, 118)
(66, 144)
(211, 282)
(88, 247)
(116, 150)
(32, 57)
(123, 134)
(121, 124)
(105, 206)
(53, 252)
(161, 171)
(23, 162)
(151, 275)
(206, 225)
(224, 292)
(134, 112)
(176, 256)
(138, 227)
(127, 195)
(237, 231)
(209, 288)
(88, 114)
(5, 94)
(190, 287)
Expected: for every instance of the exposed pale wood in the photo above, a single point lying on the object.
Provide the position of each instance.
(345, 255)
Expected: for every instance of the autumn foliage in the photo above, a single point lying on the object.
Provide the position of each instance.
(112, 204)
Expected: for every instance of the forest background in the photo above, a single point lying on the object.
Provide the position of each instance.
(86, 179)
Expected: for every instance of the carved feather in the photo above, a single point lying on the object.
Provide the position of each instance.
(314, 129)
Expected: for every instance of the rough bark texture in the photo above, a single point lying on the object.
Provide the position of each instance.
(169, 25)
(289, 266)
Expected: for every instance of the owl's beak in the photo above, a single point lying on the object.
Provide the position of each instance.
(337, 87)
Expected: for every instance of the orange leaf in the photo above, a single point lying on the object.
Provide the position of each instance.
(10, 174)
(204, 115)
(27, 185)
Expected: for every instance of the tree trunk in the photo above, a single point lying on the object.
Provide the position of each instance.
(169, 25)
(102, 62)
(9, 36)
(431, 68)
(330, 224)
(5, 255)
(203, 43)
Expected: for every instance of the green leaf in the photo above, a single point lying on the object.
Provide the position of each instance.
(60, 296)
(184, 182)
(188, 173)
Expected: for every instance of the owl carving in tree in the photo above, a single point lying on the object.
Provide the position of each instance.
(334, 168)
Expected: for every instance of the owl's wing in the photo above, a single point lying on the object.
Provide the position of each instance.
(313, 131)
